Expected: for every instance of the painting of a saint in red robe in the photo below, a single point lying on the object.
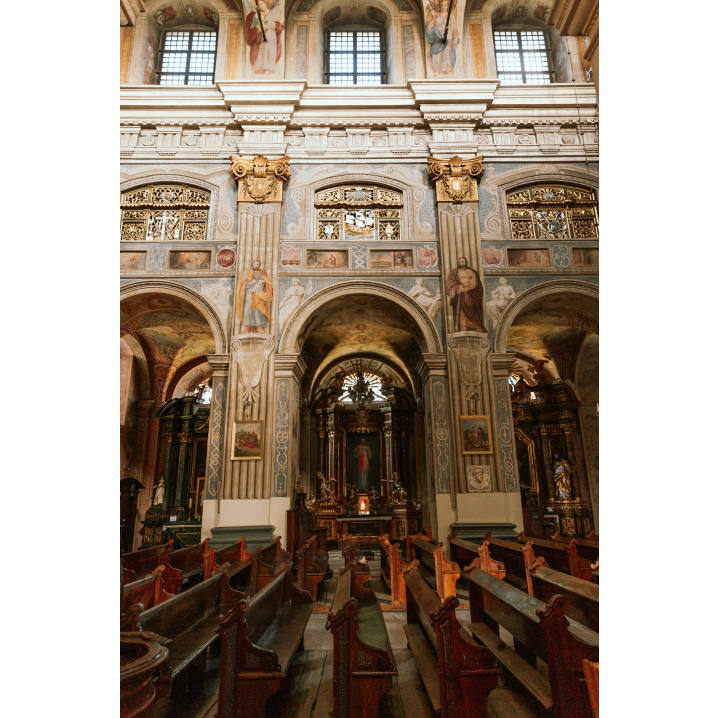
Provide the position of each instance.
(265, 55)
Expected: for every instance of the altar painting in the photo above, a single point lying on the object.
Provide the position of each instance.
(362, 456)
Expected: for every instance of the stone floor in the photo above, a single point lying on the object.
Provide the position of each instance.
(312, 670)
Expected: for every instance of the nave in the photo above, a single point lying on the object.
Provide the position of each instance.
(419, 687)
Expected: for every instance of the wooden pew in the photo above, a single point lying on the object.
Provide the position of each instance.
(138, 564)
(189, 620)
(458, 674)
(271, 562)
(363, 660)
(590, 537)
(507, 553)
(184, 568)
(312, 566)
(302, 525)
(561, 556)
(148, 591)
(391, 570)
(590, 670)
(539, 630)
(144, 674)
(352, 554)
(243, 565)
(580, 596)
(586, 549)
(438, 571)
(259, 637)
(464, 553)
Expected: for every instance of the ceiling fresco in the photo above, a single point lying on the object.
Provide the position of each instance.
(521, 12)
(360, 325)
(173, 328)
(554, 328)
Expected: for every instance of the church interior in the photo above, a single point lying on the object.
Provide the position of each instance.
(359, 358)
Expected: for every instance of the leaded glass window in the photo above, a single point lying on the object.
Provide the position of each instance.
(187, 57)
(355, 58)
(164, 213)
(522, 57)
(362, 212)
(552, 212)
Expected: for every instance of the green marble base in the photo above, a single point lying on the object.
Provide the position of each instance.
(183, 533)
(254, 536)
(475, 532)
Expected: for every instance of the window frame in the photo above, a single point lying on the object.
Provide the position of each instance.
(192, 31)
(382, 56)
(548, 52)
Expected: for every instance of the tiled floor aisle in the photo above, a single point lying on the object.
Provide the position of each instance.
(312, 670)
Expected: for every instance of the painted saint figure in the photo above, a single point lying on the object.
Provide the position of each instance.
(254, 294)
(363, 453)
(265, 55)
(442, 52)
(466, 297)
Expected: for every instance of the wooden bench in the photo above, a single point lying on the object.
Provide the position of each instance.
(242, 565)
(352, 554)
(312, 564)
(539, 630)
(591, 537)
(259, 637)
(464, 553)
(580, 596)
(302, 525)
(189, 620)
(391, 570)
(148, 591)
(507, 553)
(138, 564)
(184, 568)
(363, 660)
(561, 556)
(270, 562)
(587, 548)
(458, 674)
(436, 569)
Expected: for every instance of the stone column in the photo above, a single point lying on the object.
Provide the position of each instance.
(247, 484)
(215, 441)
(167, 472)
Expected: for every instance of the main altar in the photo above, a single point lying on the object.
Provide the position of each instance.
(361, 453)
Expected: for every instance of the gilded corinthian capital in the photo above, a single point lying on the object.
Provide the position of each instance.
(456, 179)
(260, 179)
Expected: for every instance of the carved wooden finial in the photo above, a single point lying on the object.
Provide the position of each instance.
(456, 179)
(260, 179)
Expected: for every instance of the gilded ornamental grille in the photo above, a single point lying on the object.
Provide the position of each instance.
(358, 212)
(553, 212)
(164, 213)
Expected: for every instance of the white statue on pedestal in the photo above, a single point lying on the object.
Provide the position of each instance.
(160, 492)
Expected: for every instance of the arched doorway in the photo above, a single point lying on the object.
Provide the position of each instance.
(166, 334)
(553, 330)
(362, 420)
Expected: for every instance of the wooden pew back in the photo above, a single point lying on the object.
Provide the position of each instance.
(148, 591)
(539, 630)
(183, 564)
(392, 568)
(446, 572)
(139, 564)
(562, 557)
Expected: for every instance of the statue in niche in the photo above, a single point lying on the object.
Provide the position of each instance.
(562, 477)
(325, 487)
(292, 300)
(500, 299)
(466, 297)
(254, 294)
(425, 298)
(160, 492)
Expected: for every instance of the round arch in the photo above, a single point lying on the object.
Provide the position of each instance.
(290, 342)
(530, 296)
(175, 289)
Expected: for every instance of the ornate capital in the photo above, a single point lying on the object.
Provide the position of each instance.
(259, 179)
(456, 179)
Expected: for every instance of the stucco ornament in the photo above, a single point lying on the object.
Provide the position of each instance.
(456, 179)
(478, 478)
(260, 179)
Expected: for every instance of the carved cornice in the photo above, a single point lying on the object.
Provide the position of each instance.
(456, 179)
(260, 179)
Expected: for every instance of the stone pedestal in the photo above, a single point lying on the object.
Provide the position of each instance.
(475, 532)
(254, 536)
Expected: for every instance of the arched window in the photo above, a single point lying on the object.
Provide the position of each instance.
(164, 213)
(523, 56)
(355, 57)
(188, 57)
(552, 212)
(362, 387)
